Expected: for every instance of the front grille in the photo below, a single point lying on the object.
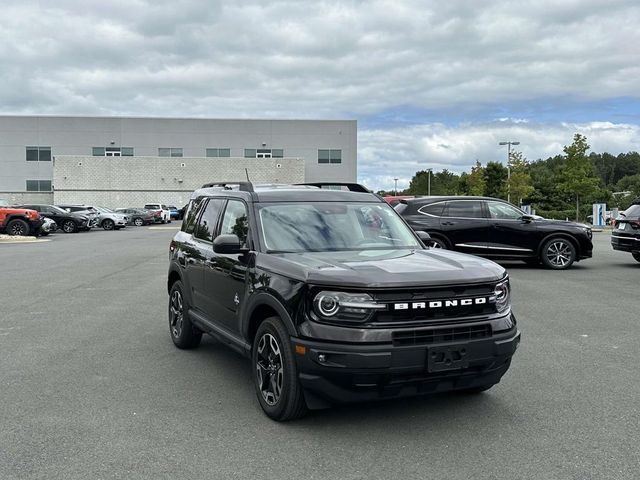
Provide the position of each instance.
(422, 305)
(440, 335)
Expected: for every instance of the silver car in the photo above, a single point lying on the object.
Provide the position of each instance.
(110, 220)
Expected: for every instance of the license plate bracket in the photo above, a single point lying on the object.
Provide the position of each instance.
(445, 358)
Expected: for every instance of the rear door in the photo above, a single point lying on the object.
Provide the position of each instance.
(465, 225)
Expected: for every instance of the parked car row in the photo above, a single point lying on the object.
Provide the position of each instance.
(40, 219)
(626, 232)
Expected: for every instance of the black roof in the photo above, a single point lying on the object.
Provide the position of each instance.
(288, 192)
(443, 198)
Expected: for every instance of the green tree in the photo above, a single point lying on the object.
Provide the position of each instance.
(520, 185)
(475, 182)
(495, 175)
(578, 177)
(442, 183)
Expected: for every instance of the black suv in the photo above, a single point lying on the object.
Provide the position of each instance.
(334, 298)
(68, 222)
(497, 229)
(626, 233)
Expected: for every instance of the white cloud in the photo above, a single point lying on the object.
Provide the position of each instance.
(400, 152)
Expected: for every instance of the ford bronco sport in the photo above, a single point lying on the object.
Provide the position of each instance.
(334, 298)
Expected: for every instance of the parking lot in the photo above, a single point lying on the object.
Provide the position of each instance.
(91, 385)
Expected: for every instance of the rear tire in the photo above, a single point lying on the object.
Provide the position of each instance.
(138, 222)
(275, 375)
(636, 256)
(558, 253)
(18, 227)
(183, 333)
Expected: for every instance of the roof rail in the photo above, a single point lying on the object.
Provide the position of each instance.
(352, 187)
(242, 186)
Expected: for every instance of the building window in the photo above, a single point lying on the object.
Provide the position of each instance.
(218, 152)
(263, 153)
(112, 151)
(38, 185)
(329, 156)
(249, 153)
(170, 152)
(38, 154)
(277, 153)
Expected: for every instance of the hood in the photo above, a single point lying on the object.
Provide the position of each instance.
(384, 268)
(564, 223)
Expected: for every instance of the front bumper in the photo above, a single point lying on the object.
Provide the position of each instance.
(339, 373)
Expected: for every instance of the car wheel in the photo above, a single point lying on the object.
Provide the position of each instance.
(558, 253)
(275, 373)
(108, 224)
(69, 226)
(138, 222)
(183, 333)
(437, 243)
(636, 256)
(18, 227)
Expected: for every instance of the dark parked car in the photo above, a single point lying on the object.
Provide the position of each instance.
(496, 229)
(626, 234)
(137, 216)
(67, 222)
(90, 212)
(334, 298)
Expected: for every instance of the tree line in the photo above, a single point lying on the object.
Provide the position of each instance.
(563, 186)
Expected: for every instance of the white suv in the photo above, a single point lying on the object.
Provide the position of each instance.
(165, 213)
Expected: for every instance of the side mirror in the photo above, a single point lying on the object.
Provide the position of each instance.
(527, 218)
(424, 236)
(227, 244)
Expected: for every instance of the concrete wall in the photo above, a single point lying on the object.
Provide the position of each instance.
(17, 198)
(133, 181)
(77, 136)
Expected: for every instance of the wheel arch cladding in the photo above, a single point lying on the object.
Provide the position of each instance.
(261, 307)
(173, 278)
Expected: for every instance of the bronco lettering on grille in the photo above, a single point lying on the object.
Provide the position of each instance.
(463, 302)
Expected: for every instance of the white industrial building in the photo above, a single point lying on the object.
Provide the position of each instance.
(122, 161)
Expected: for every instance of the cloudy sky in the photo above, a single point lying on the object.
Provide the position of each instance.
(432, 84)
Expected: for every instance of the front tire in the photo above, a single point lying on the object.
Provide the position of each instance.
(69, 226)
(558, 253)
(435, 242)
(275, 374)
(636, 256)
(18, 228)
(108, 224)
(138, 222)
(183, 333)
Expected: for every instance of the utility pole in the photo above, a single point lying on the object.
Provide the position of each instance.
(396, 187)
(509, 166)
(429, 182)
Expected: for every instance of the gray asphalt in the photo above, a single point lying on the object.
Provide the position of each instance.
(92, 387)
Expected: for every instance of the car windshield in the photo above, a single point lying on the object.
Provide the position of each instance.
(105, 210)
(330, 226)
(57, 209)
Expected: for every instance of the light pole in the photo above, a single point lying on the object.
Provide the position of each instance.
(396, 187)
(509, 166)
(429, 182)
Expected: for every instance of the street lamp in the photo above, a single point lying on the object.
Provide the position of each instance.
(396, 187)
(509, 166)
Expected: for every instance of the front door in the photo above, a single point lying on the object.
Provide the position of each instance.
(508, 233)
(225, 275)
(465, 225)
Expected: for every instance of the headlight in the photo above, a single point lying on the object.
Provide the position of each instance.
(503, 295)
(356, 307)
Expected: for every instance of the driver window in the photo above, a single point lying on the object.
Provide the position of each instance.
(503, 211)
(235, 221)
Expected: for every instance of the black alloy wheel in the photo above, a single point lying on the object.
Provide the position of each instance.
(558, 253)
(183, 334)
(18, 228)
(108, 224)
(69, 226)
(275, 373)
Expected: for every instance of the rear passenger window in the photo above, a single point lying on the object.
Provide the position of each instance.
(464, 209)
(205, 230)
(434, 209)
(235, 221)
(189, 223)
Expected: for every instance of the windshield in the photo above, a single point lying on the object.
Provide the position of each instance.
(330, 226)
(105, 210)
(57, 209)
